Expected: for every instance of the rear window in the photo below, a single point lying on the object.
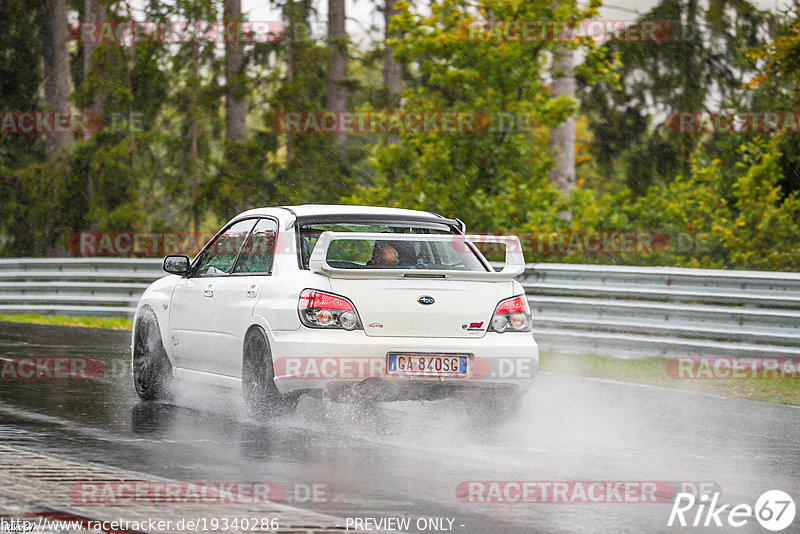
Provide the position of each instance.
(365, 253)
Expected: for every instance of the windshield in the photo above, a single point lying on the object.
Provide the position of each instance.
(371, 253)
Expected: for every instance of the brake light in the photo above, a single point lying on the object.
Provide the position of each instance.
(323, 310)
(512, 315)
(318, 299)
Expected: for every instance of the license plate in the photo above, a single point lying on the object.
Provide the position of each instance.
(425, 364)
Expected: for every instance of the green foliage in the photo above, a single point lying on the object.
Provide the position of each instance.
(701, 64)
(245, 178)
(758, 229)
(777, 87)
(496, 179)
(161, 161)
(765, 229)
(20, 78)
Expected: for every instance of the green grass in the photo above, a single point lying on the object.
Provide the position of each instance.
(654, 371)
(115, 323)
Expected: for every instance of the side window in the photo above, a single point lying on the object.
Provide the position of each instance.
(259, 249)
(221, 254)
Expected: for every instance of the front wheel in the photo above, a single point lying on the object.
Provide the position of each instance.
(261, 395)
(152, 371)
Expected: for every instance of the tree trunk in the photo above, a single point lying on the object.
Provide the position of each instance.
(193, 143)
(296, 13)
(392, 80)
(562, 138)
(56, 67)
(93, 12)
(235, 106)
(694, 94)
(337, 68)
(195, 180)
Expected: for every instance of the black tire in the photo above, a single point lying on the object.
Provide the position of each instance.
(152, 371)
(261, 395)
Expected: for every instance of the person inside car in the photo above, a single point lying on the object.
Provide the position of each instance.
(383, 255)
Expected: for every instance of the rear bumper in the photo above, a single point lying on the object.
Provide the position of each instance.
(333, 360)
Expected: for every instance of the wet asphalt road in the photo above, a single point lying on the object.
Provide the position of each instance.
(407, 459)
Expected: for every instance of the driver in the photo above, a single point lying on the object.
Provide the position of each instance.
(384, 254)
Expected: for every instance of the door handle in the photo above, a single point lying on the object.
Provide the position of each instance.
(209, 291)
(252, 290)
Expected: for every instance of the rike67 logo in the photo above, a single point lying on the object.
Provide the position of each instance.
(774, 510)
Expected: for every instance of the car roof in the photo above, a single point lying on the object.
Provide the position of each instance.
(330, 209)
(322, 210)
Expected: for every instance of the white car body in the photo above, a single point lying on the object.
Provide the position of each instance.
(203, 319)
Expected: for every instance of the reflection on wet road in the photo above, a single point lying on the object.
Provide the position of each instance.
(407, 459)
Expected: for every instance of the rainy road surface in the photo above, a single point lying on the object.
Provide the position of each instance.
(414, 460)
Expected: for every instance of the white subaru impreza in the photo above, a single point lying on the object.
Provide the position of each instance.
(342, 301)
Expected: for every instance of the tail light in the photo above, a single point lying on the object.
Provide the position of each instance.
(325, 310)
(512, 315)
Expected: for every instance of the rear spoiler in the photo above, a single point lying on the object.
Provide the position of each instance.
(514, 263)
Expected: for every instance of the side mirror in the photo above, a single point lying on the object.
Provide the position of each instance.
(177, 265)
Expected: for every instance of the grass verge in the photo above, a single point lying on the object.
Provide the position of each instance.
(114, 323)
(654, 371)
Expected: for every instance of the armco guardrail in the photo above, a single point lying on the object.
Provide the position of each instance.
(638, 311)
(75, 286)
(625, 311)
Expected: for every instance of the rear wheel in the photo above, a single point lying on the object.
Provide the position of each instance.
(261, 395)
(152, 371)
